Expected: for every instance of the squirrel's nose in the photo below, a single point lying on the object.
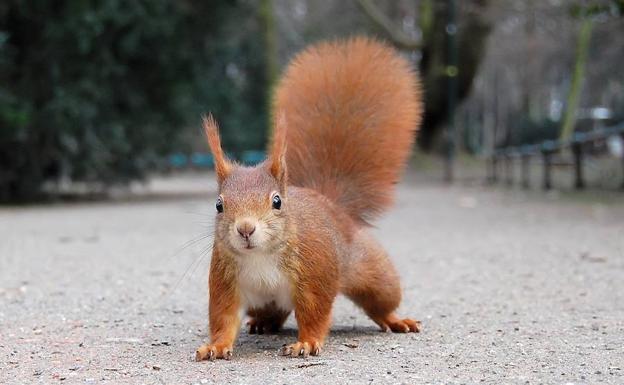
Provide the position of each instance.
(245, 229)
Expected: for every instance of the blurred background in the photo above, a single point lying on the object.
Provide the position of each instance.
(97, 94)
(516, 275)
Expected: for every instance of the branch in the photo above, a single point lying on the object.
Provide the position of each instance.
(396, 35)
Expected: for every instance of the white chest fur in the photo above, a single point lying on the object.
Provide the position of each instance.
(261, 282)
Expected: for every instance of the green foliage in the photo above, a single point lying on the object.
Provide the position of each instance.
(100, 91)
(614, 8)
(529, 131)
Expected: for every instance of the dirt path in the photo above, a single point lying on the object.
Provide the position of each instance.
(510, 288)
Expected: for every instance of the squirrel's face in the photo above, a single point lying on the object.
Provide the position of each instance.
(251, 211)
(251, 207)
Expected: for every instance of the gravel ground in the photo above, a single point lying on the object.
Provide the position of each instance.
(511, 287)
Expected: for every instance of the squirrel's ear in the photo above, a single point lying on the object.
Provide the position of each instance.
(223, 166)
(277, 157)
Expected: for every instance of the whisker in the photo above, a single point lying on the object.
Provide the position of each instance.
(202, 255)
(192, 266)
(209, 215)
(191, 242)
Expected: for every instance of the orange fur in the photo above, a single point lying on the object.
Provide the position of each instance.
(222, 165)
(267, 319)
(223, 310)
(347, 113)
(352, 108)
(277, 158)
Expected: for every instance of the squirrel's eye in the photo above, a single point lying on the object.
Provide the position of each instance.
(219, 205)
(277, 202)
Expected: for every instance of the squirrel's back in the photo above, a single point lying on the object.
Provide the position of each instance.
(352, 108)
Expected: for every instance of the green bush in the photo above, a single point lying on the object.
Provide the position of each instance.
(528, 131)
(100, 91)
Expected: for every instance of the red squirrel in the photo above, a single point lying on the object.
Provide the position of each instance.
(293, 232)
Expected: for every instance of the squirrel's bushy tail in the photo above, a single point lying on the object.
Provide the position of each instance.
(352, 108)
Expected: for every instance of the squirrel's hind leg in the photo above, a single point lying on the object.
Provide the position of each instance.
(267, 319)
(372, 283)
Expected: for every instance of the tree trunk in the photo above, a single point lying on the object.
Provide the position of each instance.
(471, 39)
(569, 120)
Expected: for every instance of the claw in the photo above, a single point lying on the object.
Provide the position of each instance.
(414, 326)
(212, 352)
(398, 325)
(301, 349)
(285, 350)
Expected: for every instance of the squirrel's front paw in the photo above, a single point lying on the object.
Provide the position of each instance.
(211, 352)
(302, 349)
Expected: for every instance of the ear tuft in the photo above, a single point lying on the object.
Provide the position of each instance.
(223, 166)
(277, 158)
